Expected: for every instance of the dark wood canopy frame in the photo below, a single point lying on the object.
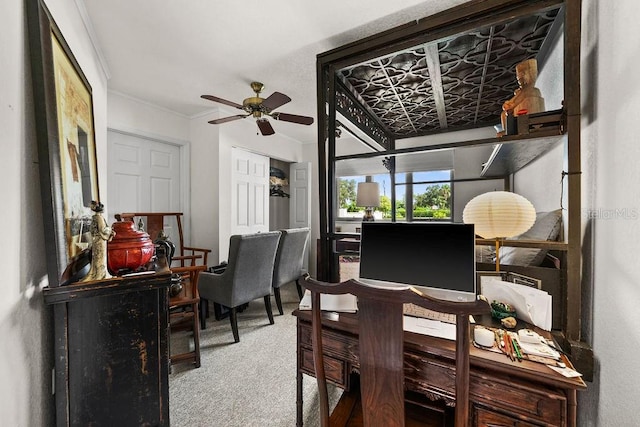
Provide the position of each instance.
(338, 94)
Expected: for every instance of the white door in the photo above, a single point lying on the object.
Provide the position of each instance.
(250, 192)
(300, 203)
(143, 176)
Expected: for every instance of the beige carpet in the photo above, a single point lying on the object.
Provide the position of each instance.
(349, 267)
(251, 383)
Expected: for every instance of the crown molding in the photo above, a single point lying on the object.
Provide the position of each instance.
(93, 38)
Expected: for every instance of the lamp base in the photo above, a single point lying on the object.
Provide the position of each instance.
(368, 215)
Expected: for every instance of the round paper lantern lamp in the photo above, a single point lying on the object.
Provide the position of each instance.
(499, 215)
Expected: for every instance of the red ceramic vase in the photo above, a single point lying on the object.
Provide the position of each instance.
(129, 249)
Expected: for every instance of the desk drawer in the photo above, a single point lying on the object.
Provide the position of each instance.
(338, 345)
(334, 369)
(533, 403)
(487, 418)
(537, 404)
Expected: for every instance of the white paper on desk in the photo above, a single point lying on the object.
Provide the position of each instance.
(345, 303)
(532, 305)
(433, 328)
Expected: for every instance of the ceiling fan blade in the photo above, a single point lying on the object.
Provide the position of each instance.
(265, 127)
(228, 119)
(221, 101)
(276, 100)
(293, 118)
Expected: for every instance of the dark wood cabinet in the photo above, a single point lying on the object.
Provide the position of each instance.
(111, 352)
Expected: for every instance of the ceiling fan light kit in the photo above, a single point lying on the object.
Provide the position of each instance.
(259, 108)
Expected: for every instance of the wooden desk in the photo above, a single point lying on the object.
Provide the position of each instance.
(503, 393)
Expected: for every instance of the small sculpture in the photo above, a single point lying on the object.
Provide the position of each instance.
(509, 322)
(527, 99)
(101, 233)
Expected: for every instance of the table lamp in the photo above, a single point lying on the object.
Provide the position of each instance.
(499, 215)
(368, 197)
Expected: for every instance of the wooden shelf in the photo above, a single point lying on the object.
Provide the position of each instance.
(542, 244)
(511, 156)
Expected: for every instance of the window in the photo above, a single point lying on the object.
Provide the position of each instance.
(347, 191)
(423, 186)
(428, 193)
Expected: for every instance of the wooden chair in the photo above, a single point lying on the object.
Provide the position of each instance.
(381, 352)
(183, 311)
(155, 222)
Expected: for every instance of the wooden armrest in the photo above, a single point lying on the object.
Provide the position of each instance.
(193, 250)
(189, 248)
(186, 257)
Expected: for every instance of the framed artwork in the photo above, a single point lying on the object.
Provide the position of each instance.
(65, 136)
(521, 279)
(484, 276)
(506, 276)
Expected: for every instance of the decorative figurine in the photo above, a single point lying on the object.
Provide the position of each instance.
(101, 233)
(527, 99)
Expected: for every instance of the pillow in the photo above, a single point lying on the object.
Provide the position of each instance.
(485, 254)
(546, 227)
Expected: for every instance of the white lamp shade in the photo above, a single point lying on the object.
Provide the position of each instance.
(499, 214)
(368, 195)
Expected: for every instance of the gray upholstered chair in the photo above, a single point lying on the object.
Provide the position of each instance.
(289, 260)
(247, 277)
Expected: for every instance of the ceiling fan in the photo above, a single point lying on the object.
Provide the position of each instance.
(260, 108)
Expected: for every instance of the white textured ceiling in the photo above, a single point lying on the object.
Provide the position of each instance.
(169, 52)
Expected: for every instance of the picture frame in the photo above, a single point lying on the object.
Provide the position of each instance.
(65, 135)
(506, 276)
(521, 279)
(483, 276)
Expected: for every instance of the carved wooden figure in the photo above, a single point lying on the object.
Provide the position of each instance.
(527, 99)
(101, 233)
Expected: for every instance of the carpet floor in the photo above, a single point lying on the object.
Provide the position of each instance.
(245, 384)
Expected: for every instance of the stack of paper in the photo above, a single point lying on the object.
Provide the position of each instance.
(345, 303)
(539, 349)
(532, 305)
(433, 328)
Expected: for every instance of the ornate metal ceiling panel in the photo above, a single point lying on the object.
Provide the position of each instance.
(456, 83)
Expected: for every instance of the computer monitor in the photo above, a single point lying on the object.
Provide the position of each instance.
(437, 258)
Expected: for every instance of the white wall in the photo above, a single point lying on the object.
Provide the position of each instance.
(205, 191)
(26, 347)
(136, 116)
(611, 194)
(541, 181)
(467, 164)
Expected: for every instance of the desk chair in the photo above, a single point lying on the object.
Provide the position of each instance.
(183, 311)
(248, 276)
(155, 223)
(381, 351)
(289, 264)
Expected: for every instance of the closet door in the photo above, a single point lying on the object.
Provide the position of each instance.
(249, 192)
(144, 175)
(300, 203)
(299, 187)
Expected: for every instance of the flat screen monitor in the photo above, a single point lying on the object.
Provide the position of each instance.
(437, 258)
